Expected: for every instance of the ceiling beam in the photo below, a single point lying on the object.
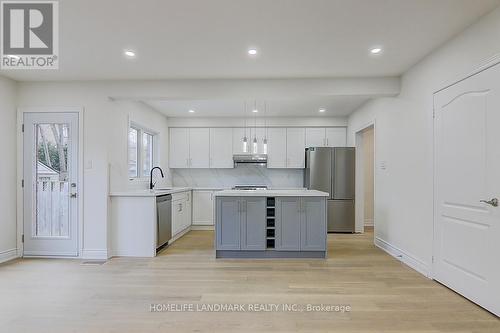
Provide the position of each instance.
(251, 88)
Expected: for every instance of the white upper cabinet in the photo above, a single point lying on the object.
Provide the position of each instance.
(179, 148)
(221, 148)
(315, 137)
(276, 148)
(336, 137)
(189, 148)
(199, 148)
(326, 137)
(214, 147)
(295, 147)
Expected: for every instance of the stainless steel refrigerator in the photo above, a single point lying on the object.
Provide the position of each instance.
(332, 170)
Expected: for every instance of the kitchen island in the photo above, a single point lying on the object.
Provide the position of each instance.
(271, 224)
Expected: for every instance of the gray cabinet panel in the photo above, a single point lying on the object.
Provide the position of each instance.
(228, 223)
(313, 224)
(253, 223)
(287, 224)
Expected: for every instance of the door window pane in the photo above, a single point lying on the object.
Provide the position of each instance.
(133, 153)
(147, 153)
(52, 188)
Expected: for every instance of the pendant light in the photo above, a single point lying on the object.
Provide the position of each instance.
(254, 142)
(245, 139)
(265, 129)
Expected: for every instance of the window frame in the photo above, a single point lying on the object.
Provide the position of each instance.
(140, 149)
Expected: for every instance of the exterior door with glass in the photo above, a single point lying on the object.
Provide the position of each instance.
(50, 184)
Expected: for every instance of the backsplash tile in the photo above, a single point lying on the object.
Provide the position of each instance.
(242, 175)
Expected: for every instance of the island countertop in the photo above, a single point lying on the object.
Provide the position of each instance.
(271, 193)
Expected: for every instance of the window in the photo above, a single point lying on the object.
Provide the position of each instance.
(141, 151)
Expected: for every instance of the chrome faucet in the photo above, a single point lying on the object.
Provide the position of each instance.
(151, 185)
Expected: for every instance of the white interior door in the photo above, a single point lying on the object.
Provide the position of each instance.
(50, 184)
(467, 154)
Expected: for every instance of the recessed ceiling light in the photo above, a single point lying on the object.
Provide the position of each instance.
(129, 53)
(321, 110)
(252, 51)
(255, 111)
(191, 111)
(376, 50)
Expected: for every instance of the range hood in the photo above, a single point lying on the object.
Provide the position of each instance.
(255, 159)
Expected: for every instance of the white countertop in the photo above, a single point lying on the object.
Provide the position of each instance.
(271, 193)
(149, 193)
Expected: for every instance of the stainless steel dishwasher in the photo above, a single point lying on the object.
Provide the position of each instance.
(164, 220)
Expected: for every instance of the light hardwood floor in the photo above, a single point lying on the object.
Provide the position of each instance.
(385, 295)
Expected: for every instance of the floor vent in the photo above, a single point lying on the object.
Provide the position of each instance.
(94, 262)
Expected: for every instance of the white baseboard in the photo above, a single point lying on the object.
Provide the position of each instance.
(202, 227)
(179, 235)
(8, 255)
(368, 222)
(404, 257)
(95, 254)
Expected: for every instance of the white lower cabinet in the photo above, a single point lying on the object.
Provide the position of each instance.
(181, 212)
(203, 207)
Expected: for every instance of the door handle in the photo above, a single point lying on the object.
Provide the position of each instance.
(493, 202)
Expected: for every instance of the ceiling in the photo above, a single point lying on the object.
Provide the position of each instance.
(336, 106)
(209, 39)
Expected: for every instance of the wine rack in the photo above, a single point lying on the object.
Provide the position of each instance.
(271, 223)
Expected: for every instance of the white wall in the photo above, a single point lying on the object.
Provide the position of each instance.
(8, 167)
(139, 113)
(403, 140)
(105, 146)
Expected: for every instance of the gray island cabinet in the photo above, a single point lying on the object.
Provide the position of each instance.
(271, 224)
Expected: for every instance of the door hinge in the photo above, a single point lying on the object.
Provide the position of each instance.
(22, 182)
(433, 259)
(22, 128)
(22, 238)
